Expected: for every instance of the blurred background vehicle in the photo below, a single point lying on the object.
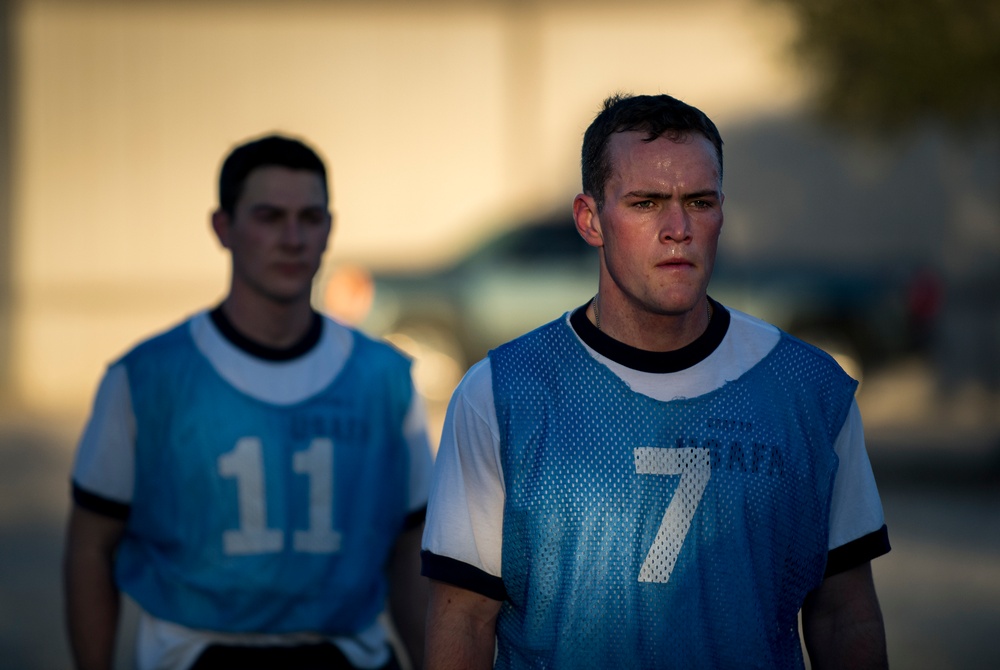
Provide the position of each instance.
(531, 272)
(450, 317)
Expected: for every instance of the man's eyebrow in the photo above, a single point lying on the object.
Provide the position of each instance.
(266, 206)
(657, 195)
(652, 195)
(270, 207)
(707, 193)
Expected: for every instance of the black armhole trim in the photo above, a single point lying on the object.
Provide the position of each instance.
(100, 505)
(653, 361)
(858, 551)
(415, 518)
(462, 575)
(241, 341)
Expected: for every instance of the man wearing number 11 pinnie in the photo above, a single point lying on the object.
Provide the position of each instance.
(653, 480)
(255, 479)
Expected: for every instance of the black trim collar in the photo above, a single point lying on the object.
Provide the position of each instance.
(241, 341)
(653, 361)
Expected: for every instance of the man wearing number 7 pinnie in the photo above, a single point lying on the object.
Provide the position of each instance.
(653, 480)
(255, 479)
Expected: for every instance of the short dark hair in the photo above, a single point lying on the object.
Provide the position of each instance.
(271, 150)
(657, 115)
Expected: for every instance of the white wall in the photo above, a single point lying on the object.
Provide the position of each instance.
(436, 120)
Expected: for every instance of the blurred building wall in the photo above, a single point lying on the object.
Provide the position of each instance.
(436, 117)
(7, 388)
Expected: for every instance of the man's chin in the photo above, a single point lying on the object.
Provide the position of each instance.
(288, 297)
(681, 303)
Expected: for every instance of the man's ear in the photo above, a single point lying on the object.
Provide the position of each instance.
(220, 224)
(588, 221)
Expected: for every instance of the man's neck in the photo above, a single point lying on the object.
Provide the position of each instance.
(651, 332)
(269, 323)
(645, 360)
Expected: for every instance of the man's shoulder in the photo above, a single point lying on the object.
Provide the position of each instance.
(169, 338)
(478, 380)
(535, 338)
(745, 325)
(752, 332)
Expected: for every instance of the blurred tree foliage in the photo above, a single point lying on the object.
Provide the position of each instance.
(892, 64)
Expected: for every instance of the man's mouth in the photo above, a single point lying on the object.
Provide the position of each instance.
(290, 267)
(675, 262)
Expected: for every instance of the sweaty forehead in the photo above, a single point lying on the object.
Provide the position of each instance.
(689, 155)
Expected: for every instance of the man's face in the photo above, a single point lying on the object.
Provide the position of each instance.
(277, 233)
(660, 224)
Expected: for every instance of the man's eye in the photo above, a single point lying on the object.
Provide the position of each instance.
(644, 204)
(314, 218)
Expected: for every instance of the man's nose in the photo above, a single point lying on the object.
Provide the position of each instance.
(675, 224)
(292, 233)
